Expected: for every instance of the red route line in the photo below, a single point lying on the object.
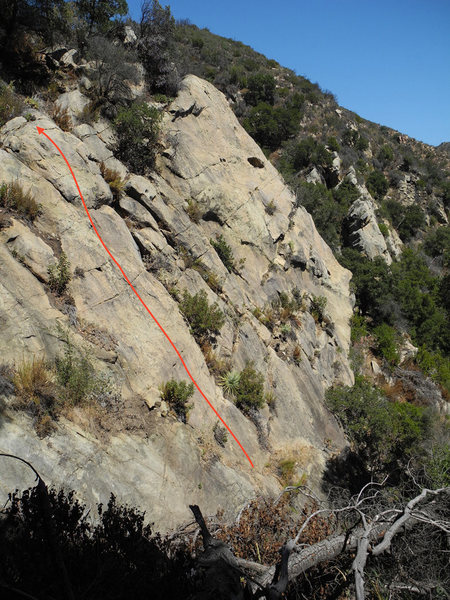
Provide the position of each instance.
(41, 130)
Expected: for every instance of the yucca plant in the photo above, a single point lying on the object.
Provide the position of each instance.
(230, 382)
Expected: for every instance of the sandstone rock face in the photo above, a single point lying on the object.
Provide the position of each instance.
(363, 232)
(149, 458)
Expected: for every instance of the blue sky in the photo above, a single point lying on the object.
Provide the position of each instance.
(389, 61)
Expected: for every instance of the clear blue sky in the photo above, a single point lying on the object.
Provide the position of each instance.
(389, 61)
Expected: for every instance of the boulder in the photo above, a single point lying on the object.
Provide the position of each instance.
(29, 249)
(74, 102)
(362, 231)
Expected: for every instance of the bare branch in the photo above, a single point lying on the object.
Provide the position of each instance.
(399, 523)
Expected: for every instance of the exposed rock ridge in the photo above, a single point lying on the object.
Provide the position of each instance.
(160, 462)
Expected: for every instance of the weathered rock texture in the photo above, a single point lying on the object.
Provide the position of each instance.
(152, 460)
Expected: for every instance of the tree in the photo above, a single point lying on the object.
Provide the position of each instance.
(98, 13)
(377, 184)
(412, 529)
(137, 131)
(113, 73)
(261, 88)
(156, 34)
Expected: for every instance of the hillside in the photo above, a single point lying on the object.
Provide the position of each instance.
(295, 254)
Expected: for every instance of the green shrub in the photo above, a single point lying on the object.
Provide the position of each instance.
(384, 229)
(230, 382)
(261, 88)
(445, 193)
(224, 251)
(325, 211)
(346, 194)
(377, 184)
(177, 394)
(362, 144)
(417, 291)
(317, 308)
(10, 104)
(405, 220)
(59, 275)
(204, 320)
(14, 198)
(386, 338)
(137, 131)
(310, 152)
(333, 144)
(270, 125)
(383, 434)
(350, 137)
(359, 327)
(372, 283)
(75, 373)
(250, 390)
(437, 243)
(437, 465)
(435, 365)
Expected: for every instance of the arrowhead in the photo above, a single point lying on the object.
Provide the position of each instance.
(40, 130)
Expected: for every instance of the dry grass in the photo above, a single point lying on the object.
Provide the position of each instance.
(62, 118)
(288, 458)
(297, 354)
(36, 394)
(113, 179)
(194, 211)
(217, 366)
(13, 197)
(33, 381)
(208, 447)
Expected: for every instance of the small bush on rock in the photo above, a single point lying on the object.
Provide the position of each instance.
(13, 197)
(318, 305)
(205, 320)
(177, 394)
(230, 382)
(62, 118)
(377, 184)
(59, 275)
(113, 179)
(250, 390)
(224, 251)
(36, 393)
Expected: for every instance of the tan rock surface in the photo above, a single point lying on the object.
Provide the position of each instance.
(161, 463)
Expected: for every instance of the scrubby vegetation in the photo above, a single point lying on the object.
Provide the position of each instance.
(224, 251)
(137, 129)
(12, 197)
(45, 389)
(105, 558)
(177, 394)
(59, 275)
(11, 105)
(205, 320)
(384, 435)
(112, 177)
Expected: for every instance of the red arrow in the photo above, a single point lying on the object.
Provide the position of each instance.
(41, 130)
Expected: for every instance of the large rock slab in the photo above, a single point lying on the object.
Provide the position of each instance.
(363, 232)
